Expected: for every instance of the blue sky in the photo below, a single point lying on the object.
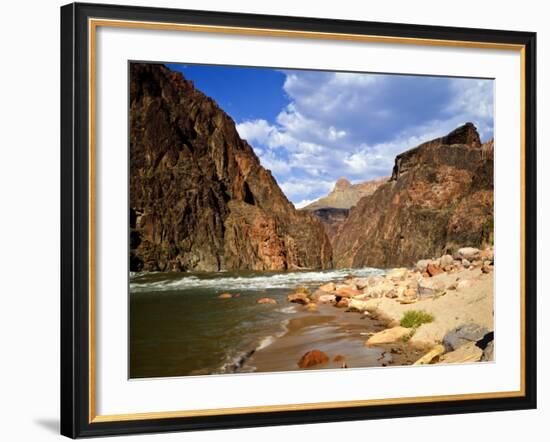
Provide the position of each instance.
(312, 127)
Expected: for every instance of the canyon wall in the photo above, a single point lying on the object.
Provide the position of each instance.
(439, 198)
(199, 198)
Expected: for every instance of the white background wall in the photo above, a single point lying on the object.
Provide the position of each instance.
(29, 219)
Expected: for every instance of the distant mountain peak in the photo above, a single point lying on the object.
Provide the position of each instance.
(345, 195)
(341, 184)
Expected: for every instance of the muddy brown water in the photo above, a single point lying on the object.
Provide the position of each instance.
(178, 326)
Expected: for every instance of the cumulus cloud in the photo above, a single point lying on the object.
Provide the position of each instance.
(353, 125)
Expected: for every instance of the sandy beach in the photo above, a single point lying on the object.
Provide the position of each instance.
(338, 333)
(366, 322)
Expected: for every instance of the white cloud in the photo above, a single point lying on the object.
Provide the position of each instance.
(295, 187)
(474, 100)
(255, 131)
(353, 125)
(271, 162)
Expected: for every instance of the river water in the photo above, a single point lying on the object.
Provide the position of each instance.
(179, 326)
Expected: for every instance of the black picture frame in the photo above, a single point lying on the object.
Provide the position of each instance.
(75, 221)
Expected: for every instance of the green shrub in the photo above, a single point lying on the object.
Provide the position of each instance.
(415, 318)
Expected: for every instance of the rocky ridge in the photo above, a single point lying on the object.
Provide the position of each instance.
(439, 198)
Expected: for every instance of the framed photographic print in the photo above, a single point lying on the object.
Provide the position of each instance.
(274, 220)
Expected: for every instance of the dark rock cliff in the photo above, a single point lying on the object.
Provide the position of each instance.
(332, 219)
(199, 198)
(440, 197)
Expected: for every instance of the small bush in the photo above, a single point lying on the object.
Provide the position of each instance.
(415, 318)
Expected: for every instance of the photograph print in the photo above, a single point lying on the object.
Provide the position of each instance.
(285, 219)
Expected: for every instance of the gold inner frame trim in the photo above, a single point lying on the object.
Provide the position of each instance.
(93, 24)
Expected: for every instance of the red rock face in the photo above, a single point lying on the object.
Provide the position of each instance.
(199, 198)
(440, 198)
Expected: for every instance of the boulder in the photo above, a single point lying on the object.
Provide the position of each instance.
(466, 353)
(430, 287)
(361, 283)
(359, 305)
(431, 355)
(225, 296)
(487, 268)
(379, 290)
(446, 260)
(433, 270)
(462, 335)
(329, 287)
(465, 263)
(266, 301)
(347, 292)
(375, 280)
(343, 303)
(388, 336)
(423, 264)
(316, 295)
(410, 293)
(397, 274)
(313, 358)
(326, 299)
(298, 298)
(468, 253)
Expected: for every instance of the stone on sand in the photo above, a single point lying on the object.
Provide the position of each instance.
(298, 298)
(312, 358)
(469, 253)
(431, 355)
(467, 353)
(329, 287)
(388, 336)
(462, 335)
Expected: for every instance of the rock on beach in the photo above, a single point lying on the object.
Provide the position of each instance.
(313, 358)
(298, 298)
(388, 336)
